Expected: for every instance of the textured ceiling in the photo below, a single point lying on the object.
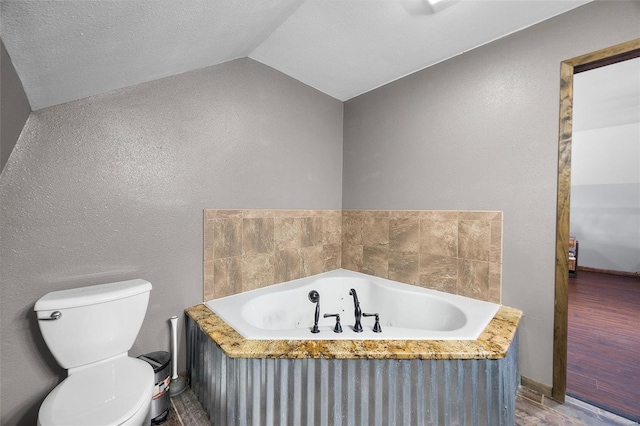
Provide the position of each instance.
(67, 50)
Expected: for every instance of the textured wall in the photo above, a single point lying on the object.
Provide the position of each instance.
(480, 131)
(113, 187)
(14, 106)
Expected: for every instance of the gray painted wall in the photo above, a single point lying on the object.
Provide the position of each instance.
(605, 219)
(480, 131)
(605, 192)
(113, 187)
(14, 106)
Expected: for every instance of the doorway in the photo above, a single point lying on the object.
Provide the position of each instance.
(570, 67)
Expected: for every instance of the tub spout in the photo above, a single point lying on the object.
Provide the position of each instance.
(358, 312)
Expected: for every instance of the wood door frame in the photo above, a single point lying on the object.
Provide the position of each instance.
(568, 68)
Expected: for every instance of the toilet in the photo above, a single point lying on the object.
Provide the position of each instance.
(89, 331)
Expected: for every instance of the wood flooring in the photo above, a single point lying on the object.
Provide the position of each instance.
(603, 342)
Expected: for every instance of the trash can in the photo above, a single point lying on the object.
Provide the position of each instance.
(161, 363)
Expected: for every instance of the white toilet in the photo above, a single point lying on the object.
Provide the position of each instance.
(89, 331)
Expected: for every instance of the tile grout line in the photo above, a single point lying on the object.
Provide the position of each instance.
(175, 410)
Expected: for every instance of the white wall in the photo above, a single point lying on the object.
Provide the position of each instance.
(605, 196)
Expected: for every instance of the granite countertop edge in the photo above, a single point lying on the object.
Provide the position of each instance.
(493, 342)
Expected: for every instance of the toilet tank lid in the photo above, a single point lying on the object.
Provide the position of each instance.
(91, 295)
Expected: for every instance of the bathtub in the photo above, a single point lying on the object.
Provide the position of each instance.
(406, 312)
(439, 360)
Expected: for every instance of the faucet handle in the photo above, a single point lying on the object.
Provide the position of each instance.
(314, 297)
(338, 327)
(376, 326)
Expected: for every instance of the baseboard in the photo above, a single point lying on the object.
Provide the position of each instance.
(535, 386)
(609, 271)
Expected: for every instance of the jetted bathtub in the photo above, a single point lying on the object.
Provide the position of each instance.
(440, 359)
(406, 312)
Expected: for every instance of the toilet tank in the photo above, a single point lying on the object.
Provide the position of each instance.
(93, 323)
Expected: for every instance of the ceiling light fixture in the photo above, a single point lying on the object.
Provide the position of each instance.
(438, 5)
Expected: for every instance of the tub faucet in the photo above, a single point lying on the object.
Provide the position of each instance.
(376, 326)
(314, 297)
(358, 312)
(338, 327)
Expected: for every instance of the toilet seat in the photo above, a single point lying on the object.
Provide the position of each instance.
(107, 394)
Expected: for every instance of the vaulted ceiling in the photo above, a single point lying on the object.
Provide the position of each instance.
(67, 50)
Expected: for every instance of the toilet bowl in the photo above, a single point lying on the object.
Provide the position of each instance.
(90, 331)
(113, 393)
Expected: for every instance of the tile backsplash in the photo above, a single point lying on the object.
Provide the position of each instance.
(453, 251)
(249, 249)
(456, 252)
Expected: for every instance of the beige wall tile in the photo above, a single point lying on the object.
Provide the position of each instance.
(473, 279)
(438, 215)
(331, 257)
(313, 213)
(311, 231)
(352, 257)
(480, 215)
(434, 249)
(289, 213)
(225, 214)
(352, 221)
(438, 272)
(258, 214)
(375, 261)
(257, 235)
(405, 214)
(257, 271)
(495, 283)
(287, 232)
(287, 265)
(404, 234)
(208, 287)
(495, 248)
(312, 260)
(298, 213)
(404, 267)
(439, 237)
(209, 214)
(375, 230)
(378, 213)
(474, 239)
(228, 276)
(208, 239)
(227, 235)
(332, 227)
